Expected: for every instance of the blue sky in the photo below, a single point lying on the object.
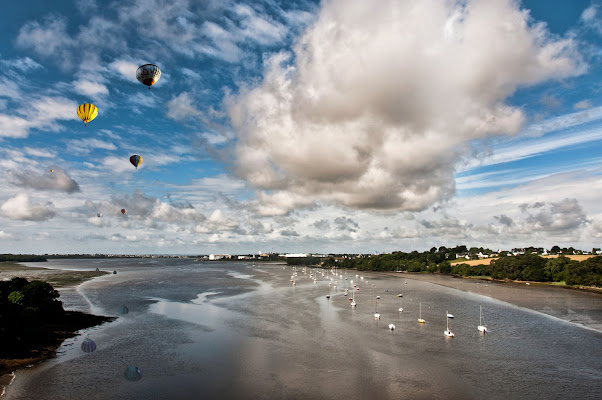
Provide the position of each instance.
(335, 126)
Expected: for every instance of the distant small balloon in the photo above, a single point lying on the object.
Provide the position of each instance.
(123, 210)
(51, 170)
(88, 345)
(99, 215)
(124, 310)
(132, 373)
(136, 160)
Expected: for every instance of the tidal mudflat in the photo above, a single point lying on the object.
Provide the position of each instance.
(234, 330)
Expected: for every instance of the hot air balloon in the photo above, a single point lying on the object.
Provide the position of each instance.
(87, 112)
(148, 74)
(132, 373)
(99, 215)
(88, 345)
(51, 170)
(136, 160)
(123, 210)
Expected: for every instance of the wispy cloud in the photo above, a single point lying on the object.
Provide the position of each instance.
(85, 146)
(527, 148)
(25, 64)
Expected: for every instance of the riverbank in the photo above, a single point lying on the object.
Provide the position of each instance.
(67, 326)
(59, 279)
(583, 307)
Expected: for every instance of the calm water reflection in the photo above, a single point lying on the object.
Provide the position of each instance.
(231, 330)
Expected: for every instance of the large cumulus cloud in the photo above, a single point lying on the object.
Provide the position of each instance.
(380, 99)
(20, 208)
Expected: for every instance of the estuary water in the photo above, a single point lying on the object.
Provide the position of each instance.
(232, 330)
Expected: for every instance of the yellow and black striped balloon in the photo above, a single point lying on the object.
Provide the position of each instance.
(87, 112)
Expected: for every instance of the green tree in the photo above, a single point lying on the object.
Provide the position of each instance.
(16, 297)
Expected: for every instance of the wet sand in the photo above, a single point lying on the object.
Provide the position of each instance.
(582, 307)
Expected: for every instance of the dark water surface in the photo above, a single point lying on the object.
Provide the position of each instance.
(226, 330)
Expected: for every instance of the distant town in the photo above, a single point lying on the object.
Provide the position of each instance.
(452, 253)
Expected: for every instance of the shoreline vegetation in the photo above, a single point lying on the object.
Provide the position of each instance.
(522, 267)
(34, 323)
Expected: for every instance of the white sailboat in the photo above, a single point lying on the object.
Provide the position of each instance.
(392, 327)
(353, 304)
(420, 320)
(482, 327)
(376, 314)
(447, 332)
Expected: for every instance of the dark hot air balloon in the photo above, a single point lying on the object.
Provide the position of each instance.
(123, 210)
(136, 160)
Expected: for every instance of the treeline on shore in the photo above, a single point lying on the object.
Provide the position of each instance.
(527, 267)
(32, 318)
(22, 258)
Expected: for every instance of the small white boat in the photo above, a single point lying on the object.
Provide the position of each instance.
(447, 332)
(392, 327)
(376, 314)
(482, 327)
(328, 296)
(449, 315)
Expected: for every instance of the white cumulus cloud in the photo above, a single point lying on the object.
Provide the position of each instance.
(21, 208)
(89, 88)
(381, 98)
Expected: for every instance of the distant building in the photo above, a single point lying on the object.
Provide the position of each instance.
(214, 257)
(294, 255)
